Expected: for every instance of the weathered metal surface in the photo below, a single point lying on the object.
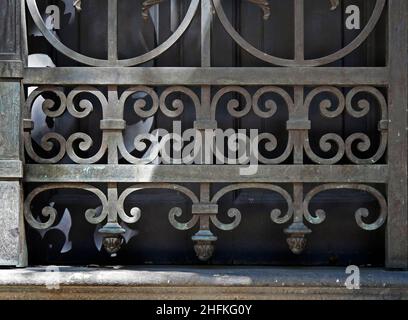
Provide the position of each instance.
(335, 162)
(168, 76)
(205, 173)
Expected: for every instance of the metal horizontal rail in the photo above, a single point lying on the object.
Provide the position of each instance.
(207, 76)
(206, 173)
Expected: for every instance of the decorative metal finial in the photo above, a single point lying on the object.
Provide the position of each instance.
(112, 237)
(204, 244)
(297, 237)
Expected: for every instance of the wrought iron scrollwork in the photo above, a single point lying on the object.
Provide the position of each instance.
(49, 139)
(356, 102)
(320, 215)
(276, 214)
(264, 102)
(50, 213)
(205, 239)
(66, 146)
(204, 212)
(298, 231)
(86, 107)
(344, 103)
(363, 106)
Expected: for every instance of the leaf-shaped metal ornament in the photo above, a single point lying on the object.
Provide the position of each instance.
(334, 4)
(147, 5)
(77, 4)
(264, 5)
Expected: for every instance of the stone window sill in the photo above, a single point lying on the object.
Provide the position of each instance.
(198, 283)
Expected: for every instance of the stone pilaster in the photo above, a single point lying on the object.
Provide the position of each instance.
(12, 236)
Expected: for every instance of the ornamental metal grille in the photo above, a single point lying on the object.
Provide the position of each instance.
(297, 159)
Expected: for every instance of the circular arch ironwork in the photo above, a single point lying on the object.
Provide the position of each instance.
(58, 45)
(244, 44)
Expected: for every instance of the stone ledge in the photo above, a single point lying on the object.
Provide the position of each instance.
(200, 283)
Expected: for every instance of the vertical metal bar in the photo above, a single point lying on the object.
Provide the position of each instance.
(205, 218)
(204, 238)
(174, 15)
(298, 202)
(206, 19)
(205, 192)
(112, 229)
(397, 226)
(112, 202)
(113, 31)
(111, 112)
(298, 135)
(299, 30)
